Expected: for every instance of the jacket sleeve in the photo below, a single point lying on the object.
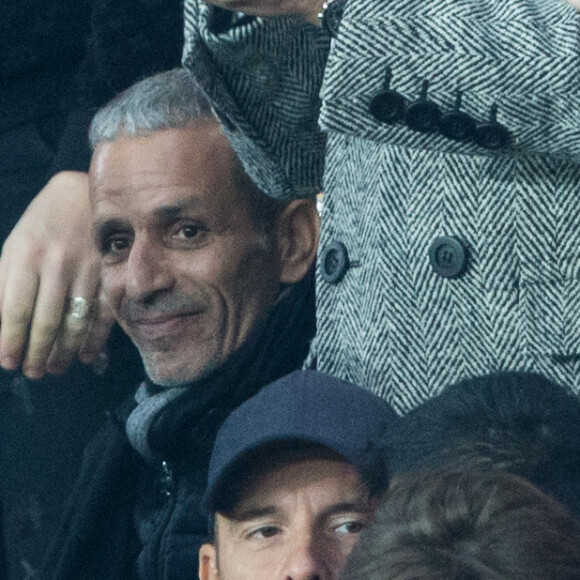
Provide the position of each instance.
(95, 537)
(520, 56)
(263, 77)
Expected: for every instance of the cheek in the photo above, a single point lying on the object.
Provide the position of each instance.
(252, 301)
(250, 564)
(258, 277)
(337, 551)
(248, 281)
(347, 547)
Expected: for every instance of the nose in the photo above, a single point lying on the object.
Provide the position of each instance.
(148, 269)
(308, 560)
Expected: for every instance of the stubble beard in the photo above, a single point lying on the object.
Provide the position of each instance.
(178, 374)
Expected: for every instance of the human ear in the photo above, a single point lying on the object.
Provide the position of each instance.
(298, 230)
(208, 569)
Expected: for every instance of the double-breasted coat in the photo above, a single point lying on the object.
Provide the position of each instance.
(448, 149)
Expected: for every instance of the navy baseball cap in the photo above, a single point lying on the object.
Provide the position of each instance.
(310, 407)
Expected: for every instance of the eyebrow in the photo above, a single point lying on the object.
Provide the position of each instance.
(173, 210)
(105, 228)
(359, 505)
(252, 513)
(163, 213)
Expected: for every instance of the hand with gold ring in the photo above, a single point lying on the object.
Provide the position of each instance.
(50, 307)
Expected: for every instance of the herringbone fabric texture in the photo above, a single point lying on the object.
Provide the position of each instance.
(264, 79)
(392, 324)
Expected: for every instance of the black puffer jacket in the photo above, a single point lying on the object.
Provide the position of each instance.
(128, 518)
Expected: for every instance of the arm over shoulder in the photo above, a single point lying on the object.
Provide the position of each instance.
(263, 77)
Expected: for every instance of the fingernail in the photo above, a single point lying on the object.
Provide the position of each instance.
(8, 363)
(33, 373)
(56, 370)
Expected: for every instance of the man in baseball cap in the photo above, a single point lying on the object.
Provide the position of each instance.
(293, 479)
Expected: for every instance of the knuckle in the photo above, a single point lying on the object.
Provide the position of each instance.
(76, 328)
(45, 327)
(16, 317)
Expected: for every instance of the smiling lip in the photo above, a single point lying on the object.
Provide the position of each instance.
(163, 326)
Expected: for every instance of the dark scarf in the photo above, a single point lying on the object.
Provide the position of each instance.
(186, 418)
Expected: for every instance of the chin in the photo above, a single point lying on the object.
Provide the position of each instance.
(174, 374)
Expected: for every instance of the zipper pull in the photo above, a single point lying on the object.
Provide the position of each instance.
(166, 483)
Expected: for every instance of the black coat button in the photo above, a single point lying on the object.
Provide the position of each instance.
(448, 257)
(220, 20)
(387, 106)
(332, 11)
(491, 135)
(423, 115)
(455, 124)
(334, 262)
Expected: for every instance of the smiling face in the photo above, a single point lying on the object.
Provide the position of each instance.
(185, 270)
(294, 520)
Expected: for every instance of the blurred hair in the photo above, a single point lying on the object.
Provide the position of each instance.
(449, 525)
(174, 100)
(520, 422)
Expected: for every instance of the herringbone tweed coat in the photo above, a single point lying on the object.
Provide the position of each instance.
(392, 324)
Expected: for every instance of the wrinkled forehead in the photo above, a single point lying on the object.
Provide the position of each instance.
(198, 156)
(170, 170)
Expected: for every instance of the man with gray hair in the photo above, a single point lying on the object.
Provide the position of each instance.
(212, 281)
